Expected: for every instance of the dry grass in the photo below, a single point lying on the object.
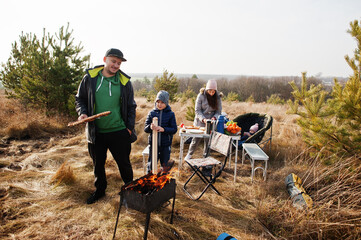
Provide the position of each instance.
(44, 186)
(19, 122)
(335, 191)
(63, 175)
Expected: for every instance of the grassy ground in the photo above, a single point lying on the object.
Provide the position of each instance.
(46, 177)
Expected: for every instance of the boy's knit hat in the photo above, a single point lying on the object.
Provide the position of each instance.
(211, 84)
(163, 96)
(254, 127)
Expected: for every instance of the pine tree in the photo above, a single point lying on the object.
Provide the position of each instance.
(332, 126)
(168, 83)
(44, 73)
(191, 112)
(68, 68)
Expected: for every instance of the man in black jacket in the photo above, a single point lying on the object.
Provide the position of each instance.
(107, 88)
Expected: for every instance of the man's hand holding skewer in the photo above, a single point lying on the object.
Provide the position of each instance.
(82, 116)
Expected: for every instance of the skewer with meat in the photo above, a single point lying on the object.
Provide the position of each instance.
(89, 119)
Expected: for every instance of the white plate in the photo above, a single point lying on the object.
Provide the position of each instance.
(195, 131)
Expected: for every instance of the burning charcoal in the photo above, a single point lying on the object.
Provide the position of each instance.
(148, 183)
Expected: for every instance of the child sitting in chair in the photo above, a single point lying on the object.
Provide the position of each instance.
(252, 130)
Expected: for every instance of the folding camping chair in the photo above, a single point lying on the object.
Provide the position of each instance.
(264, 121)
(220, 143)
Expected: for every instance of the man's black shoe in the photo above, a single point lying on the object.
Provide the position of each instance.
(95, 197)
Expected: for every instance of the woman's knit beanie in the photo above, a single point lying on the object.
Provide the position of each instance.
(211, 84)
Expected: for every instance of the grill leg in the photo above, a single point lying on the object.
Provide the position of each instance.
(171, 217)
(116, 222)
(146, 226)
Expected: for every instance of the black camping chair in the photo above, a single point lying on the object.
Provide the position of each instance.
(264, 121)
(220, 143)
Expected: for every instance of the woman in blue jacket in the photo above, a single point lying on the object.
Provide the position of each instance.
(167, 127)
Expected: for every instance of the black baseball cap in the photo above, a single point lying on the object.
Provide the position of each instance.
(115, 53)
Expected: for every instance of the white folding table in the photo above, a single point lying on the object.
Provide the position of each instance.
(184, 135)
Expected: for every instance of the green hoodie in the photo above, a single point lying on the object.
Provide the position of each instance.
(108, 98)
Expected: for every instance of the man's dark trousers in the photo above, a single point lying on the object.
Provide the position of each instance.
(119, 145)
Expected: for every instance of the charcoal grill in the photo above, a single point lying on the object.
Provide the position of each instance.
(146, 202)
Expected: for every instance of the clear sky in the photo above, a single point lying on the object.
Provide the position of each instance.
(237, 37)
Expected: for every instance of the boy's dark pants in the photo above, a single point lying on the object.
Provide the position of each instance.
(163, 156)
(119, 145)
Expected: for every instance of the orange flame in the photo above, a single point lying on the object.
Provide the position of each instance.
(149, 183)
